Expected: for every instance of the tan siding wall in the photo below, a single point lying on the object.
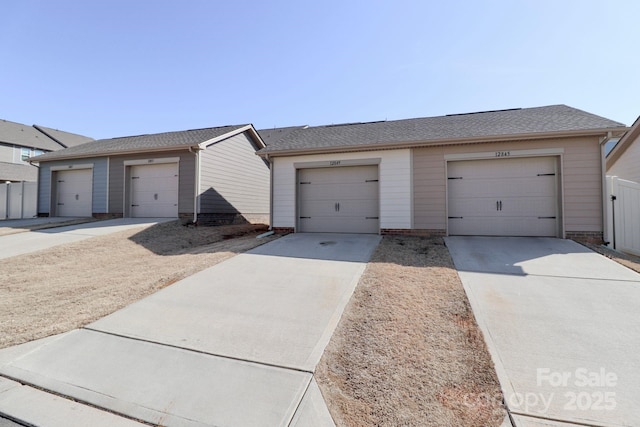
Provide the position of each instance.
(186, 169)
(582, 180)
(628, 165)
(233, 178)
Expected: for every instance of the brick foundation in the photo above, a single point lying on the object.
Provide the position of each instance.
(594, 237)
(283, 230)
(107, 215)
(412, 232)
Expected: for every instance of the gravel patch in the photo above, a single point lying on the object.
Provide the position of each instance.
(407, 351)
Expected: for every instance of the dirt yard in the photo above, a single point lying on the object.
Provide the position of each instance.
(407, 351)
(69, 286)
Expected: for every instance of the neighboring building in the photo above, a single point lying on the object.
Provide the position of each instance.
(19, 142)
(209, 175)
(623, 160)
(520, 172)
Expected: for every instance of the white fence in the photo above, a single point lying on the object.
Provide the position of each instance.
(18, 200)
(623, 199)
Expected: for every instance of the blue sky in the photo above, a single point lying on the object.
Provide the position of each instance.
(116, 68)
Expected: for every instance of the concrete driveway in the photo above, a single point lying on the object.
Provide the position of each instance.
(562, 324)
(234, 345)
(32, 241)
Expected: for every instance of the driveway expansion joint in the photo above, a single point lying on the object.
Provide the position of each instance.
(192, 350)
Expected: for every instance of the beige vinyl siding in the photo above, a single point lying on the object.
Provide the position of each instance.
(394, 183)
(430, 195)
(186, 171)
(581, 168)
(233, 178)
(628, 165)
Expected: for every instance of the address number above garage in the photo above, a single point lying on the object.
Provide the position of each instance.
(337, 163)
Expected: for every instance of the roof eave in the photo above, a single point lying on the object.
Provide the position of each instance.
(631, 135)
(235, 132)
(443, 141)
(115, 153)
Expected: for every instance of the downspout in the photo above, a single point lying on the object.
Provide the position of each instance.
(196, 184)
(603, 168)
(270, 191)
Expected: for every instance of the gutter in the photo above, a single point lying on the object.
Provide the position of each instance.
(196, 184)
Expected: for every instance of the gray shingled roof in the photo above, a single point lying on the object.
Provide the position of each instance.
(554, 118)
(26, 136)
(271, 136)
(66, 139)
(141, 143)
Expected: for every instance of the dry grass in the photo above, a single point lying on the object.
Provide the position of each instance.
(69, 286)
(407, 351)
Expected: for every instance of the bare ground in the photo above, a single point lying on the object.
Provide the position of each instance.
(407, 351)
(69, 286)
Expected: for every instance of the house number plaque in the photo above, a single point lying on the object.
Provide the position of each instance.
(503, 153)
(334, 163)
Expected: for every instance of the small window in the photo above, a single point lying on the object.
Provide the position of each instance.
(25, 154)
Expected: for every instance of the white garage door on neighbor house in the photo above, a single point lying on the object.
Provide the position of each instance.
(340, 200)
(73, 192)
(154, 190)
(503, 197)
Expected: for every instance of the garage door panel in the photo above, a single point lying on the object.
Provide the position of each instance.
(480, 206)
(154, 190)
(74, 193)
(345, 225)
(505, 197)
(342, 200)
(359, 190)
(345, 175)
(510, 226)
(485, 169)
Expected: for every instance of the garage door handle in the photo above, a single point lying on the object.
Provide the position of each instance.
(500, 204)
(77, 197)
(371, 217)
(134, 206)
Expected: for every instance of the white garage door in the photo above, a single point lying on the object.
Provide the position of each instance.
(74, 192)
(340, 200)
(505, 197)
(154, 190)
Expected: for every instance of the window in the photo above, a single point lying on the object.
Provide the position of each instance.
(25, 154)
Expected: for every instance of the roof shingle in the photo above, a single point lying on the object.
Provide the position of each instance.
(554, 118)
(157, 141)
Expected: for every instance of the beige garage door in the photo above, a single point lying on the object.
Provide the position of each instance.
(503, 197)
(154, 191)
(339, 200)
(74, 192)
